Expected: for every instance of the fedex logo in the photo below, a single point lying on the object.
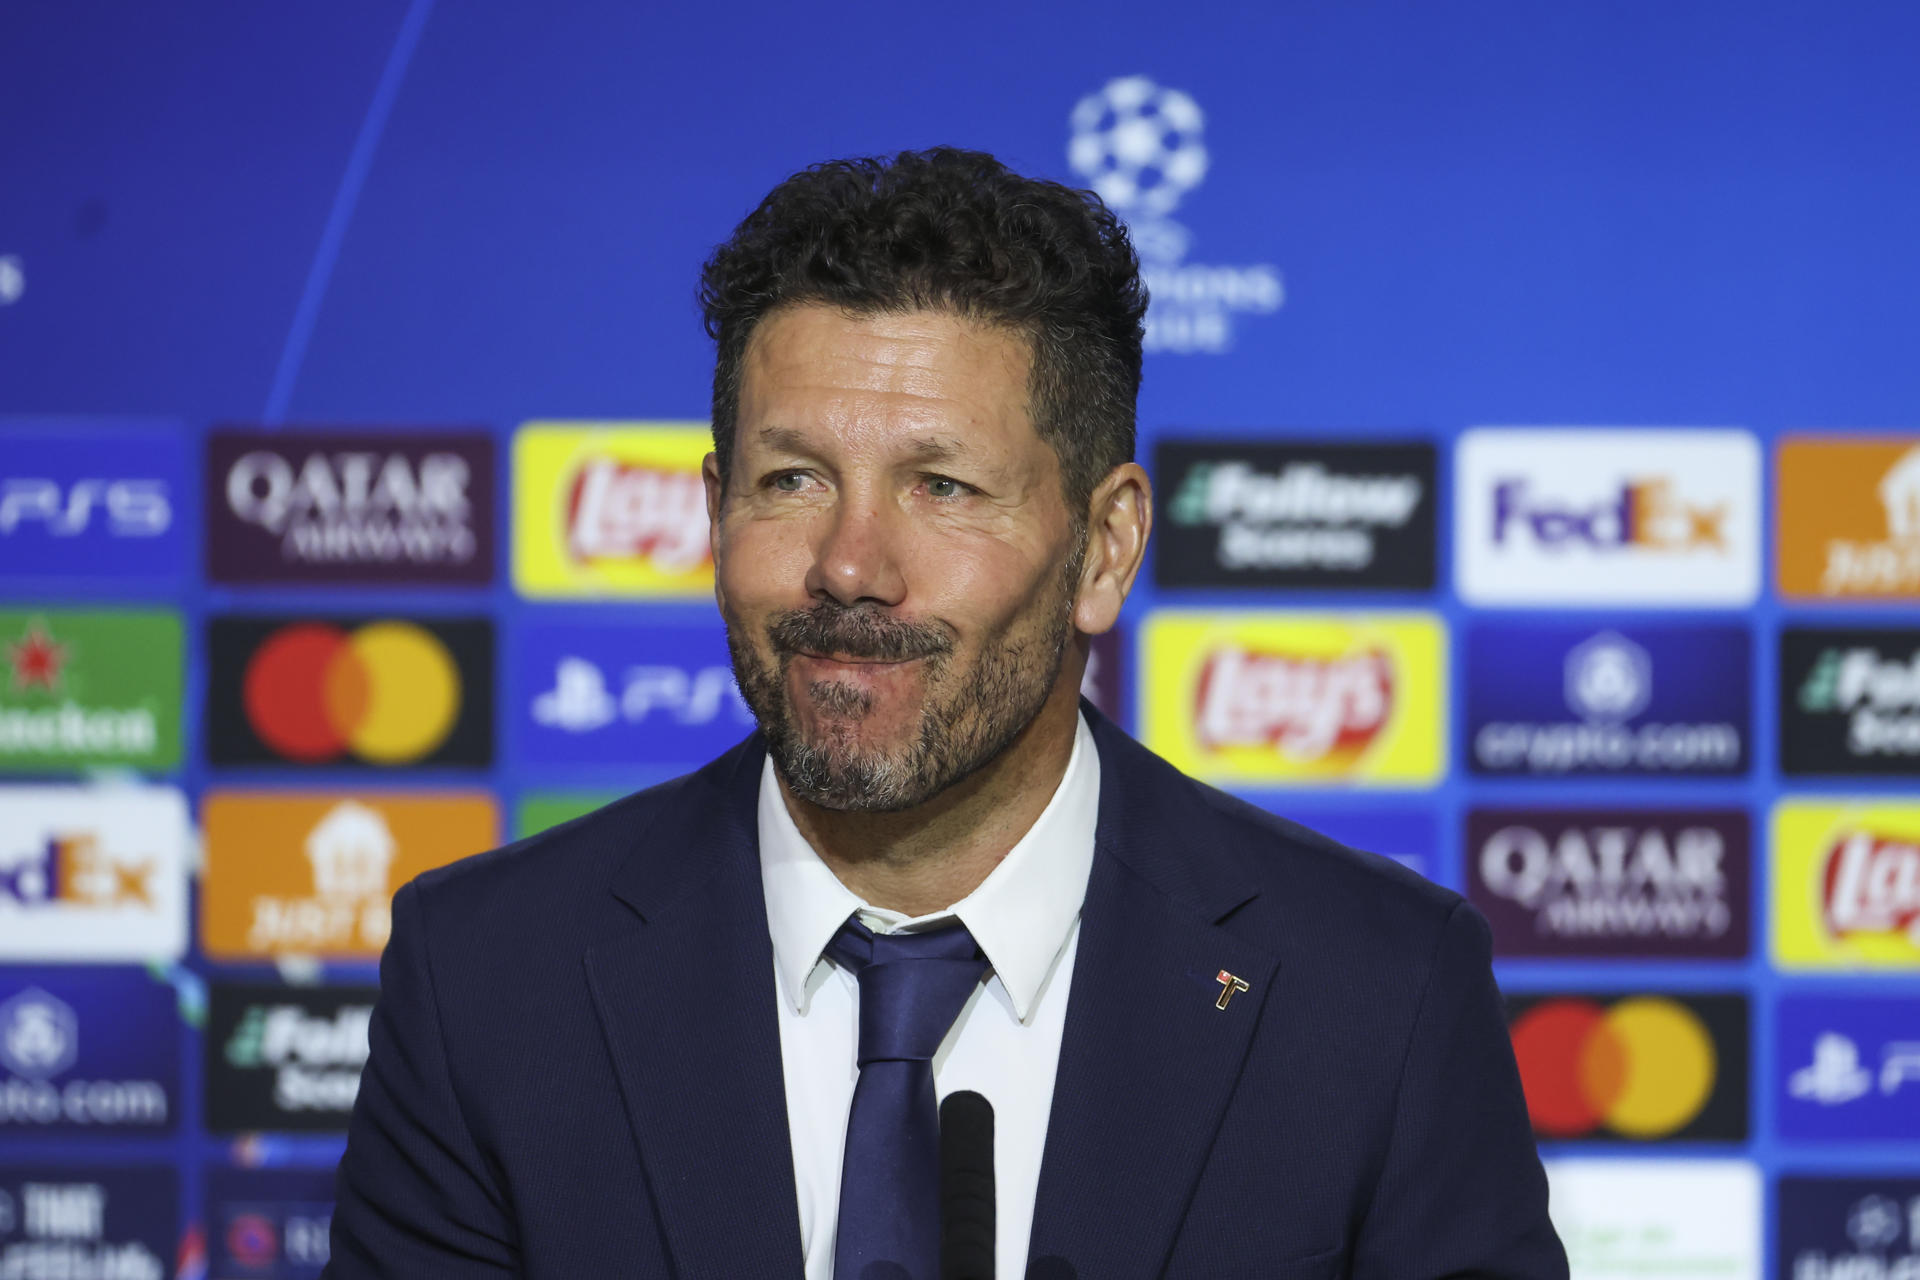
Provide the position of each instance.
(1643, 513)
(75, 869)
(92, 874)
(126, 508)
(1655, 518)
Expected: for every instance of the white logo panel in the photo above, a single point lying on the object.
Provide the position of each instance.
(1634, 1219)
(1596, 516)
(93, 873)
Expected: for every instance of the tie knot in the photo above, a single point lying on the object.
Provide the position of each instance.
(912, 986)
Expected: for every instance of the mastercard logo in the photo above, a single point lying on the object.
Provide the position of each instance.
(1641, 1068)
(387, 692)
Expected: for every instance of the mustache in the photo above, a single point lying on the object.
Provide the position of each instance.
(857, 631)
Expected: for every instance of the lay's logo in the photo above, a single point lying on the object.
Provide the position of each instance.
(1847, 885)
(1873, 886)
(1286, 698)
(611, 510)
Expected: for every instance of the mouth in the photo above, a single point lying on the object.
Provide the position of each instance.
(824, 664)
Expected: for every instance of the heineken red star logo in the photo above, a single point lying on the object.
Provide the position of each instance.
(36, 659)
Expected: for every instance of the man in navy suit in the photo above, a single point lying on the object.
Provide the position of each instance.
(702, 1032)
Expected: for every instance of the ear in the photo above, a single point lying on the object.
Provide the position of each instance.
(1119, 518)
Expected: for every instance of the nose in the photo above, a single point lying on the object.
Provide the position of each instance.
(858, 554)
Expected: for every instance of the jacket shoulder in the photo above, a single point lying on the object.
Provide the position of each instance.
(560, 874)
(1301, 887)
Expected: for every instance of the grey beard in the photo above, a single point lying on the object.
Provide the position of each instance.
(958, 734)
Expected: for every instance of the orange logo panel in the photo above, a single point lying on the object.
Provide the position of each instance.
(1849, 525)
(298, 873)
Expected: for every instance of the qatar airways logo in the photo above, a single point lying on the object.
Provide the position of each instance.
(1304, 707)
(341, 507)
(1612, 882)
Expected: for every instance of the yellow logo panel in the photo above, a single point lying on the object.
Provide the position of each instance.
(1846, 885)
(611, 509)
(1296, 699)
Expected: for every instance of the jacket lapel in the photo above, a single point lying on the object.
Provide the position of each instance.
(1148, 1060)
(686, 999)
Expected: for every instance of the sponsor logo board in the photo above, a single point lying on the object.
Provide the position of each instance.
(1848, 1228)
(95, 874)
(1846, 885)
(1602, 516)
(1612, 882)
(86, 1051)
(1274, 699)
(1295, 515)
(384, 507)
(616, 693)
(88, 1223)
(92, 501)
(1849, 1067)
(1409, 837)
(1849, 701)
(1559, 701)
(1848, 518)
(312, 874)
(1141, 146)
(1633, 1068)
(83, 688)
(611, 509)
(345, 692)
(284, 1058)
(268, 1224)
(1631, 1219)
(542, 809)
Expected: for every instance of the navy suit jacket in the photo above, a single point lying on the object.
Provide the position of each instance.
(575, 1069)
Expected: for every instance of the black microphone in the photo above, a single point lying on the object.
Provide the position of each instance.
(966, 1187)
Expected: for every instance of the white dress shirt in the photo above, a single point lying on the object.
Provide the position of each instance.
(1006, 1042)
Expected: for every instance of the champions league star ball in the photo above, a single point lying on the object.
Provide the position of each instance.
(1138, 146)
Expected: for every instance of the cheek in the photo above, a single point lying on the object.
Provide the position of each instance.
(763, 565)
(982, 586)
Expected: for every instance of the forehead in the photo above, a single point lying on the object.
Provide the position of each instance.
(812, 367)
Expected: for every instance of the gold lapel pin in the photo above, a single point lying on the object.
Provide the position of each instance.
(1228, 985)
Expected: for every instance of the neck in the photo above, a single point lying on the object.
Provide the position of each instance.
(927, 858)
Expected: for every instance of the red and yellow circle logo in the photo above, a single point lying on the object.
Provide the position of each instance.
(387, 692)
(1642, 1068)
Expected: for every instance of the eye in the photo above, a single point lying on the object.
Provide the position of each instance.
(788, 481)
(946, 487)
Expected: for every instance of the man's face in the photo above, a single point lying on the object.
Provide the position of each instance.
(895, 559)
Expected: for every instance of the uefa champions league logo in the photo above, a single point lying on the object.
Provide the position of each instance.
(1140, 146)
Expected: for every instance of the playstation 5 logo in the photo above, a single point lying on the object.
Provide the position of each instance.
(581, 701)
(1836, 1076)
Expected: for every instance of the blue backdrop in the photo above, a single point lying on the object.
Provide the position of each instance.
(1363, 222)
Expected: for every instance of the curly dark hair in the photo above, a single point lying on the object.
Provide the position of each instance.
(957, 231)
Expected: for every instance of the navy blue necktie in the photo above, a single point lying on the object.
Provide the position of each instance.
(912, 987)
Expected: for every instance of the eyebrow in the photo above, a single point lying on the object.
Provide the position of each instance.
(922, 450)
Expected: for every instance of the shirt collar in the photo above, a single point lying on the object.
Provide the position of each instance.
(1021, 915)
